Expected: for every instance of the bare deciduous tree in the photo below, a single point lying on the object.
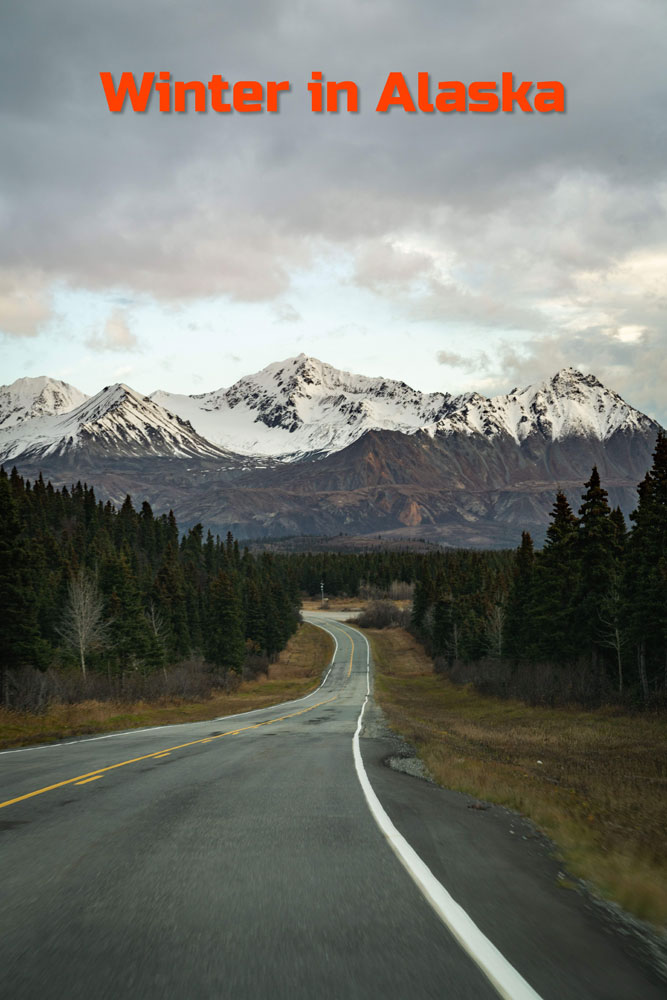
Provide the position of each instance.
(495, 625)
(158, 627)
(83, 626)
(612, 633)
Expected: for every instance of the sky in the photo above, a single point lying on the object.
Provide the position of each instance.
(452, 251)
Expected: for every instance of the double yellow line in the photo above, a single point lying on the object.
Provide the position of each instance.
(92, 775)
(83, 779)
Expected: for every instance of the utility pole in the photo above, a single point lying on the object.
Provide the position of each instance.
(322, 592)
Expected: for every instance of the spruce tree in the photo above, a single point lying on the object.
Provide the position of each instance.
(225, 642)
(19, 635)
(554, 587)
(645, 576)
(519, 633)
(420, 605)
(169, 596)
(443, 628)
(128, 627)
(253, 616)
(598, 571)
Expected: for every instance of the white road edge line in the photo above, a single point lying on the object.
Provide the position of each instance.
(204, 722)
(509, 983)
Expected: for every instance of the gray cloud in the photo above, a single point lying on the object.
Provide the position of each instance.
(284, 312)
(25, 302)
(195, 204)
(116, 335)
(518, 222)
(468, 364)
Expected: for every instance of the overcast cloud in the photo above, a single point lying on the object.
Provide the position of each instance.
(539, 239)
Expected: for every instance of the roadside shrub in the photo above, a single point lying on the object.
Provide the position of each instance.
(33, 690)
(383, 614)
(538, 683)
(255, 664)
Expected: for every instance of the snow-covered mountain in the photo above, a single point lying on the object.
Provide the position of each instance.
(568, 405)
(301, 406)
(462, 469)
(117, 421)
(36, 397)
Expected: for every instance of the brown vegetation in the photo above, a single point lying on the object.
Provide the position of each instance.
(296, 671)
(383, 614)
(332, 604)
(593, 781)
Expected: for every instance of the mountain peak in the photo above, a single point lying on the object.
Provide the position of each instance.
(573, 376)
(303, 406)
(119, 390)
(111, 397)
(36, 396)
(568, 404)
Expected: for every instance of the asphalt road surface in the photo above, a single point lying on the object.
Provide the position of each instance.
(249, 857)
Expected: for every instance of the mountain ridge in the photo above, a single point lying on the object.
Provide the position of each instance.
(303, 408)
(116, 420)
(465, 470)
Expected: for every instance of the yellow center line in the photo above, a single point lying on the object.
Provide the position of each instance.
(83, 779)
(93, 775)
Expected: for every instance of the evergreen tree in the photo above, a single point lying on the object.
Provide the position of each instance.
(598, 569)
(225, 642)
(19, 636)
(518, 627)
(253, 616)
(168, 594)
(444, 628)
(128, 628)
(645, 575)
(420, 603)
(552, 602)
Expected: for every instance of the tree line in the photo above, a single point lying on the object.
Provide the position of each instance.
(120, 592)
(584, 618)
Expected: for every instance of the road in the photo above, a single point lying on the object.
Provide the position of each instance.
(242, 858)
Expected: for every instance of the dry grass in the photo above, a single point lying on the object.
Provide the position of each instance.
(593, 781)
(333, 604)
(296, 672)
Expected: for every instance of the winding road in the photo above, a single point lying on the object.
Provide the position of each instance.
(273, 854)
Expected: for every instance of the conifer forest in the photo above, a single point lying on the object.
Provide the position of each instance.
(121, 594)
(118, 595)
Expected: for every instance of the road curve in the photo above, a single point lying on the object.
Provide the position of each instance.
(239, 857)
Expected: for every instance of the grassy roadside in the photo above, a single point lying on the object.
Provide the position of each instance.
(296, 672)
(593, 781)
